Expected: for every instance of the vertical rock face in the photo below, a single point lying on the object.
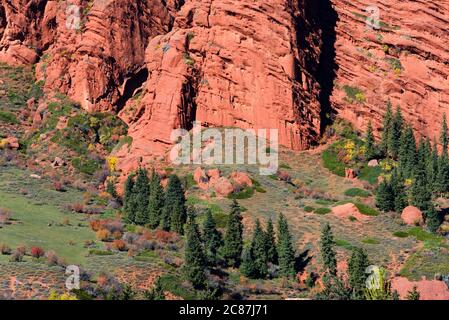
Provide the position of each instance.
(405, 60)
(235, 63)
(284, 64)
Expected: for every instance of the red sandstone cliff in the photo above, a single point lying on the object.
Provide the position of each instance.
(282, 64)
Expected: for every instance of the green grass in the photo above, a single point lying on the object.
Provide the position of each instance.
(324, 202)
(370, 174)
(331, 161)
(309, 209)
(356, 192)
(430, 240)
(343, 243)
(322, 211)
(426, 262)
(366, 210)
(370, 241)
(401, 234)
(8, 117)
(246, 193)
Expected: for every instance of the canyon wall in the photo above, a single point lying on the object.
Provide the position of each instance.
(293, 65)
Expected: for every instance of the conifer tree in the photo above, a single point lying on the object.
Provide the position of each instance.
(233, 240)
(442, 177)
(387, 128)
(420, 193)
(286, 254)
(247, 267)
(212, 238)
(258, 250)
(174, 213)
(357, 277)
(129, 204)
(384, 197)
(142, 195)
(370, 143)
(270, 243)
(110, 188)
(398, 191)
(194, 258)
(328, 254)
(407, 153)
(432, 168)
(444, 136)
(395, 134)
(433, 220)
(414, 294)
(156, 201)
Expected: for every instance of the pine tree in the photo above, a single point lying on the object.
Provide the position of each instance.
(285, 249)
(384, 197)
(335, 288)
(129, 204)
(357, 277)
(407, 153)
(370, 143)
(387, 128)
(247, 267)
(395, 134)
(212, 238)
(327, 250)
(420, 193)
(142, 195)
(233, 240)
(398, 191)
(414, 294)
(270, 243)
(195, 263)
(174, 213)
(258, 250)
(442, 177)
(156, 201)
(432, 168)
(444, 136)
(433, 220)
(110, 188)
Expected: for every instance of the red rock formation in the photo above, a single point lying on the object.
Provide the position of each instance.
(428, 289)
(412, 216)
(405, 61)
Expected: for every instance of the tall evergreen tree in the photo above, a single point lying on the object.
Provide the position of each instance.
(233, 240)
(370, 143)
(129, 204)
(395, 134)
(194, 258)
(384, 197)
(357, 277)
(270, 243)
(444, 136)
(212, 238)
(174, 213)
(432, 168)
(442, 177)
(258, 248)
(142, 195)
(398, 191)
(387, 128)
(420, 193)
(407, 153)
(414, 294)
(247, 267)
(433, 219)
(328, 254)
(285, 249)
(156, 201)
(110, 188)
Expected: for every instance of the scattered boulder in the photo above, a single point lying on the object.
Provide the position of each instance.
(241, 179)
(58, 162)
(347, 210)
(428, 289)
(223, 187)
(412, 216)
(35, 176)
(373, 163)
(10, 142)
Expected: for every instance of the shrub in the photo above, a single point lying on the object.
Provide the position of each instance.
(5, 215)
(332, 163)
(8, 117)
(401, 234)
(77, 207)
(322, 211)
(4, 249)
(58, 186)
(103, 235)
(119, 245)
(17, 256)
(356, 192)
(354, 94)
(117, 235)
(37, 252)
(364, 209)
(309, 209)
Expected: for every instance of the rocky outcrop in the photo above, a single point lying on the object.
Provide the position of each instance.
(405, 60)
(412, 216)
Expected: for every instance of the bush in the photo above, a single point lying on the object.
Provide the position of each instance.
(103, 235)
(4, 249)
(401, 234)
(58, 186)
(8, 117)
(119, 245)
(322, 211)
(356, 192)
(309, 209)
(17, 256)
(364, 209)
(37, 252)
(5, 215)
(332, 163)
